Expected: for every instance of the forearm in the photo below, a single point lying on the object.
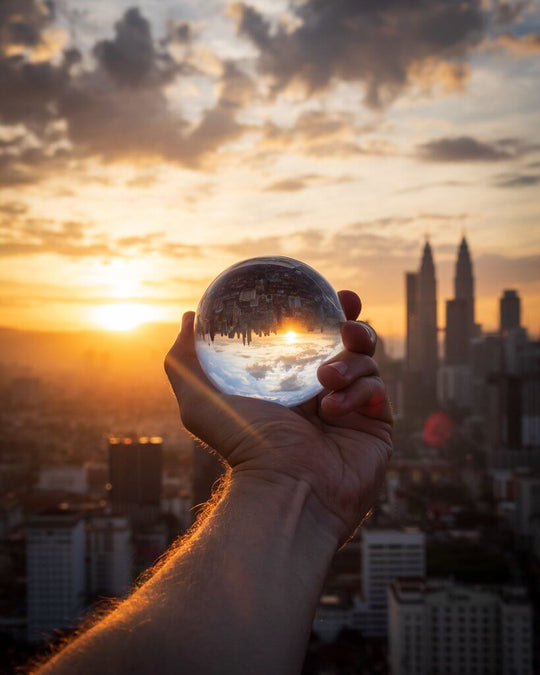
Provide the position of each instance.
(238, 597)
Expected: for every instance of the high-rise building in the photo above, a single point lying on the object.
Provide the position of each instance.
(427, 321)
(442, 627)
(460, 326)
(386, 555)
(464, 284)
(456, 338)
(510, 311)
(135, 476)
(529, 369)
(422, 346)
(411, 299)
(110, 555)
(55, 552)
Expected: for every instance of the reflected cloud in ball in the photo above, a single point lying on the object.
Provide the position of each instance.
(264, 326)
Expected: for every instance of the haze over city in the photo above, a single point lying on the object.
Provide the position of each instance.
(145, 148)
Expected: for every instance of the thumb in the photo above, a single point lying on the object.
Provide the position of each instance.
(215, 418)
(183, 369)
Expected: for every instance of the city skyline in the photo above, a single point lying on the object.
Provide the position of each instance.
(142, 172)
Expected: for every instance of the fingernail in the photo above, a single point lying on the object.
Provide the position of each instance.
(337, 396)
(340, 366)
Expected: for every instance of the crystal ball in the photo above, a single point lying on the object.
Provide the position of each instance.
(264, 326)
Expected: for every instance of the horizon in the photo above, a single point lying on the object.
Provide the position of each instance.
(166, 143)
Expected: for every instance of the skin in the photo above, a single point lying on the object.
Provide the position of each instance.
(238, 595)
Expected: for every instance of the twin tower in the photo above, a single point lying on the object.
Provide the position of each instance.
(421, 360)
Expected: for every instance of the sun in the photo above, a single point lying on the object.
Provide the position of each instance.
(290, 337)
(122, 316)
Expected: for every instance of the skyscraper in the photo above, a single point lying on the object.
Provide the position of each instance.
(510, 311)
(464, 283)
(460, 327)
(411, 292)
(55, 552)
(456, 337)
(135, 466)
(422, 349)
(427, 321)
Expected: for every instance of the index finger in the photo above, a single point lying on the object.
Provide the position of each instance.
(351, 303)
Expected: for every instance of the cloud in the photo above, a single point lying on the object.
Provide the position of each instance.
(509, 12)
(13, 208)
(379, 45)
(26, 236)
(319, 133)
(517, 180)
(524, 45)
(435, 184)
(258, 370)
(462, 149)
(290, 383)
(131, 59)
(117, 109)
(23, 24)
(302, 182)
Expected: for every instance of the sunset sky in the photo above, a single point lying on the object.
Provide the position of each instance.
(144, 148)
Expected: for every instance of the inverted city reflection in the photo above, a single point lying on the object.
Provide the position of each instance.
(264, 326)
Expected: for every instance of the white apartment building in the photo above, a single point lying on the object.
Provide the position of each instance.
(110, 555)
(55, 552)
(440, 627)
(386, 555)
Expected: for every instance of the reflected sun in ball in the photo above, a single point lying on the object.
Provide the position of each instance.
(291, 337)
(122, 316)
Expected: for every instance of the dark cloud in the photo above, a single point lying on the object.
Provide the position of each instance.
(131, 59)
(381, 45)
(118, 109)
(463, 149)
(181, 32)
(518, 180)
(509, 12)
(22, 23)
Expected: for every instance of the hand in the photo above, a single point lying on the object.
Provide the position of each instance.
(338, 443)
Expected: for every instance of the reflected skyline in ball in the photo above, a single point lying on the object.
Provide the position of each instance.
(264, 326)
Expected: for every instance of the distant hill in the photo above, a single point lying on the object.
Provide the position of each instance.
(138, 352)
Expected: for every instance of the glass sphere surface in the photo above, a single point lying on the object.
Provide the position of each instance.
(264, 326)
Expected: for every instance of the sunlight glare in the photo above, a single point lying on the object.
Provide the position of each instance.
(290, 336)
(123, 316)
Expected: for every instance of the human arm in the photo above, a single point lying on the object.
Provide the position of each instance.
(238, 596)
